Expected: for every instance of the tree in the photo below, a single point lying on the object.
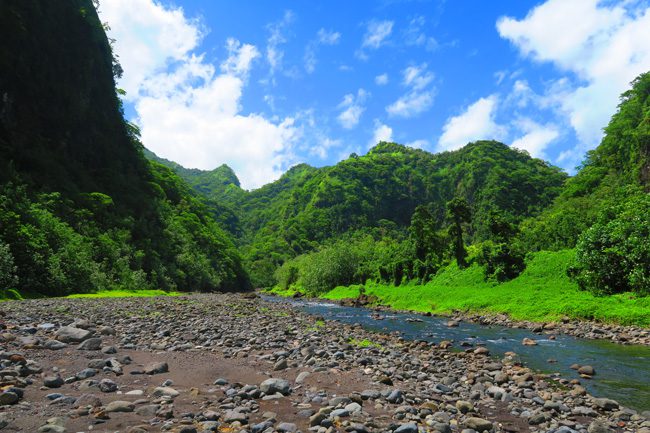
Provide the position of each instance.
(459, 213)
(427, 243)
(8, 278)
(613, 256)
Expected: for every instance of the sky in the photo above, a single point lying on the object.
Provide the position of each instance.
(264, 85)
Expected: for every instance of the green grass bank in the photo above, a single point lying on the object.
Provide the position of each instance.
(543, 292)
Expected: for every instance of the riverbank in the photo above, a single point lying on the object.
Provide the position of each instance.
(542, 296)
(231, 363)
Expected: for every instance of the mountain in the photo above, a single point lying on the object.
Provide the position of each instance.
(81, 208)
(307, 206)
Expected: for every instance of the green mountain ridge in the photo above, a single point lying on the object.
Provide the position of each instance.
(308, 206)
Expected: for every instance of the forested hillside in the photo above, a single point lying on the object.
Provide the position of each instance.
(399, 214)
(81, 208)
(378, 193)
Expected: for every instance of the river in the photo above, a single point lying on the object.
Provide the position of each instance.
(622, 371)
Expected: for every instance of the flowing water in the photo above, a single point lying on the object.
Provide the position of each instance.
(622, 371)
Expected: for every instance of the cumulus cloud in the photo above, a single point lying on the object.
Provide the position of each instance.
(476, 122)
(148, 40)
(352, 109)
(381, 80)
(602, 48)
(188, 109)
(381, 133)
(419, 96)
(536, 137)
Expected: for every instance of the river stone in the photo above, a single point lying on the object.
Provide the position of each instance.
(501, 378)
(482, 351)
(148, 410)
(7, 398)
(107, 385)
(302, 376)
(537, 419)
(52, 428)
(120, 406)
(407, 428)
(587, 369)
(317, 419)
(91, 344)
(70, 334)
(235, 416)
(529, 342)
(280, 365)
(165, 391)
(156, 368)
(54, 345)
(464, 406)
(605, 403)
(353, 408)
(395, 396)
(599, 427)
(478, 424)
(53, 381)
(87, 400)
(271, 386)
(287, 427)
(370, 394)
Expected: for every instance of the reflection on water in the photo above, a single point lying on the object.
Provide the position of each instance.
(622, 372)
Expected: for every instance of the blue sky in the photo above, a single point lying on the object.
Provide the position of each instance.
(262, 85)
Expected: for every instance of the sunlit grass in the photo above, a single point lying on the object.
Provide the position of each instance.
(543, 292)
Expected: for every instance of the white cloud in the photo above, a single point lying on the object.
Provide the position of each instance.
(414, 35)
(411, 104)
(328, 37)
(240, 58)
(274, 54)
(376, 34)
(475, 123)
(381, 133)
(603, 46)
(353, 108)
(536, 137)
(324, 144)
(148, 40)
(418, 97)
(417, 77)
(189, 110)
(323, 37)
(418, 144)
(381, 80)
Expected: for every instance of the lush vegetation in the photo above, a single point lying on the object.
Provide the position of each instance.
(308, 208)
(81, 209)
(84, 208)
(542, 292)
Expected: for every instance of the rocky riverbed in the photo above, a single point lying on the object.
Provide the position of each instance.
(577, 328)
(236, 363)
